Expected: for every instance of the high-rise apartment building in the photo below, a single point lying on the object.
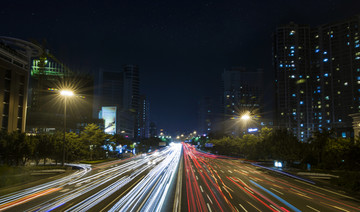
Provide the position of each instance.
(336, 74)
(291, 60)
(242, 93)
(15, 55)
(317, 77)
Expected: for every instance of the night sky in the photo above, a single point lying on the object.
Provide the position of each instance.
(181, 47)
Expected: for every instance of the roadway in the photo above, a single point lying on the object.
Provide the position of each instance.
(215, 183)
(145, 182)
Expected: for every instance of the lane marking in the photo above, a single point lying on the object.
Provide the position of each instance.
(196, 177)
(230, 171)
(208, 207)
(312, 208)
(254, 206)
(277, 191)
(243, 208)
(201, 189)
(209, 198)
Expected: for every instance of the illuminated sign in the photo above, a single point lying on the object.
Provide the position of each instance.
(109, 115)
(252, 129)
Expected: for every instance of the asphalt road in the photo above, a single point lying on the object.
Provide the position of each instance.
(215, 183)
(142, 183)
(177, 178)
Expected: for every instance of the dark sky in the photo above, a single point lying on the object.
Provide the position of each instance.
(180, 46)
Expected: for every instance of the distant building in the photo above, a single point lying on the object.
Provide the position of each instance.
(153, 132)
(120, 89)
(291, 60)
(15, 55)
(242, 93)
(143, 118)
(205, 115)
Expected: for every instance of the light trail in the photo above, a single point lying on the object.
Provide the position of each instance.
(150, 193)
(29, 192)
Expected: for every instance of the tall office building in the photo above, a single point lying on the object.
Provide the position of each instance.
(117, 97)
(131, 96)
(109, 101)
(317, 77)
(205, 115)
(242, 93)
(336, 74)
(291, 60)
(15, 55)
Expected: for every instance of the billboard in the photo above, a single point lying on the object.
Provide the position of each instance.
(109, 115)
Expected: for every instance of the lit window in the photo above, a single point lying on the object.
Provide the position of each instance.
(339, 120)
(326, 74)
(301, 102)
(292, 32)
(317, 50)
(325, 60)
(301, 125)
(325, 52)
(345, 83)
(294, 95)
(343, 134)
(327, 97)
(292, 47)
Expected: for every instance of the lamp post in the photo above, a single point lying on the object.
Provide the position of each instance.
(65, 94)
(245, 118)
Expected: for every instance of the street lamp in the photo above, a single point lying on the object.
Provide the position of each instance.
(245, 118)
(65, 94)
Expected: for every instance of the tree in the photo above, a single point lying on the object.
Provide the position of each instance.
(93, 138)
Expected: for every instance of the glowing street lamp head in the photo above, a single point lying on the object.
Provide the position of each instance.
(245, 117)
(66, 93)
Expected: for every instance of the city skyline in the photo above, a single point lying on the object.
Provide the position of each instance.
(165, 41)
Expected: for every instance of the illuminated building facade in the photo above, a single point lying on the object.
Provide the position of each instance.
(336, 75)
(46, 107)
(291, 60)
(317, 77)
(15, 55)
